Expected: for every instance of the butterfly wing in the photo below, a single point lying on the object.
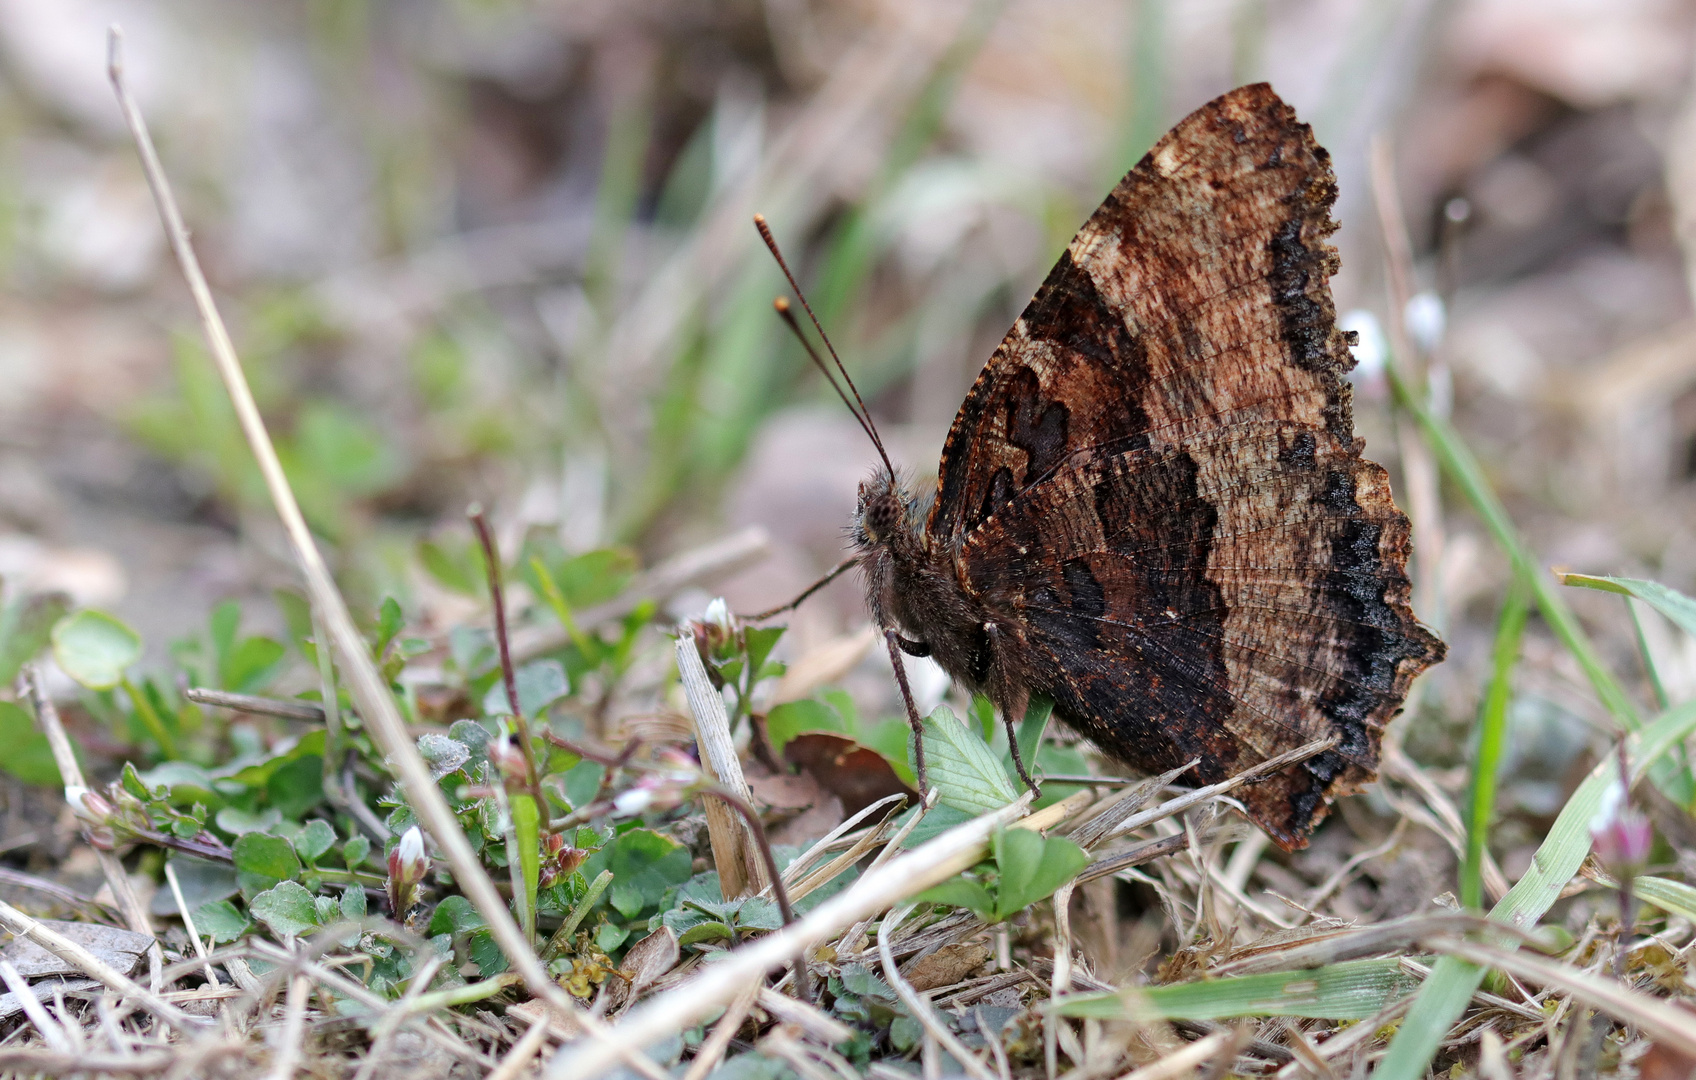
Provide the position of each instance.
(1229, 601)
(1195, 298)
(1155, 486)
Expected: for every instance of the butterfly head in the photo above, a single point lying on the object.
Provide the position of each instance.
(886, 516)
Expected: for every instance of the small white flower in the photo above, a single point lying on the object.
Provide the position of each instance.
(1425, 319)
(718, 614)
(411, 849)
(633, 801)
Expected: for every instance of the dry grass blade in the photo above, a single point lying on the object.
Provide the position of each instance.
(740, 873)
(1661, 1021)
(260, 706)
(51, 1032)
(724, 1029)
(689, 1004)
(376, 705)
(917, 1005)
(288, 1038)
(1180, 1062)
(1335, 946)
(1202, 794)
(1122, 805)
(95, 968)
(810, 1018)
(518, 1058)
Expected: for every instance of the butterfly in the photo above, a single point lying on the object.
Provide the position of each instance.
(1152, 508)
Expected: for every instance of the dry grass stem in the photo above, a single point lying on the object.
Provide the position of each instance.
(741, 873)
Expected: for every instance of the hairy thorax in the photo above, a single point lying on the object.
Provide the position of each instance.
(912, 586)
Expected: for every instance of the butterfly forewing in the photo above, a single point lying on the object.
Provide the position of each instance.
(1155, 490)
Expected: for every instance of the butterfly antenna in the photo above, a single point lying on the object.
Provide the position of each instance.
(862, 413)
(788, 315)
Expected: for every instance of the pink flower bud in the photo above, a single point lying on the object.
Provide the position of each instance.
(407, 866)
(1621, 836)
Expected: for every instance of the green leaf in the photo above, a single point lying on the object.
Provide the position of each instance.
(1670, 602)
(28, 756)
(25, 625)
(313, 840)
(263, 861)
(239, 822)
(1672, 897)
(389, 623)
(644, 865)
(221, 919)
(1352, 990)
(610, 937)
(704, 931)
(353, 903)
(961, 766)
(962, 892)
(251, 664)
(296, 786)
(355, 852)
(583, 783)
(95, 649)
(539, 685)
(760, 641)
(526, 832)
(1031, 867)
(1453, 981)
(287, 908)
(793, 718)
(443, 754)
(455, 915)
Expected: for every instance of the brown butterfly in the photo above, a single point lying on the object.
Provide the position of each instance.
(1152, 507)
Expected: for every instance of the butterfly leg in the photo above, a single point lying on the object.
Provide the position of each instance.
(894, 641)
(1011, 702)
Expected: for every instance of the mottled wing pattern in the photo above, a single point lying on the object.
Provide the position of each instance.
(1194, 298)
(1228, 601)
(1156, 481)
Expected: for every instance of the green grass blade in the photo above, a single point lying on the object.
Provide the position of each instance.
(1492, 739)
(1457, 460)
(1670, 602)
(1672, 897)
(1452, 982)
(526, 835)
(1463, 468)
(1677, 607)
(1351, 990)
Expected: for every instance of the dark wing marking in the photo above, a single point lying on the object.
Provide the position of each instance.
(1123, 582)
(1195, 297)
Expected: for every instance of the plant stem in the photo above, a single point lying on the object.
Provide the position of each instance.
(803, 989)
(578, 914)
(150, 716)
(492, 561)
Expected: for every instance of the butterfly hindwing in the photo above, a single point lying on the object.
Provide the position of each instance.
(1229, 601)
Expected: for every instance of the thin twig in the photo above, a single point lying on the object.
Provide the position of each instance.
(509, 675)
(376, 705)
(259, 706)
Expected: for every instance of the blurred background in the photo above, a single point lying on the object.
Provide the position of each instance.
(501, 250)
